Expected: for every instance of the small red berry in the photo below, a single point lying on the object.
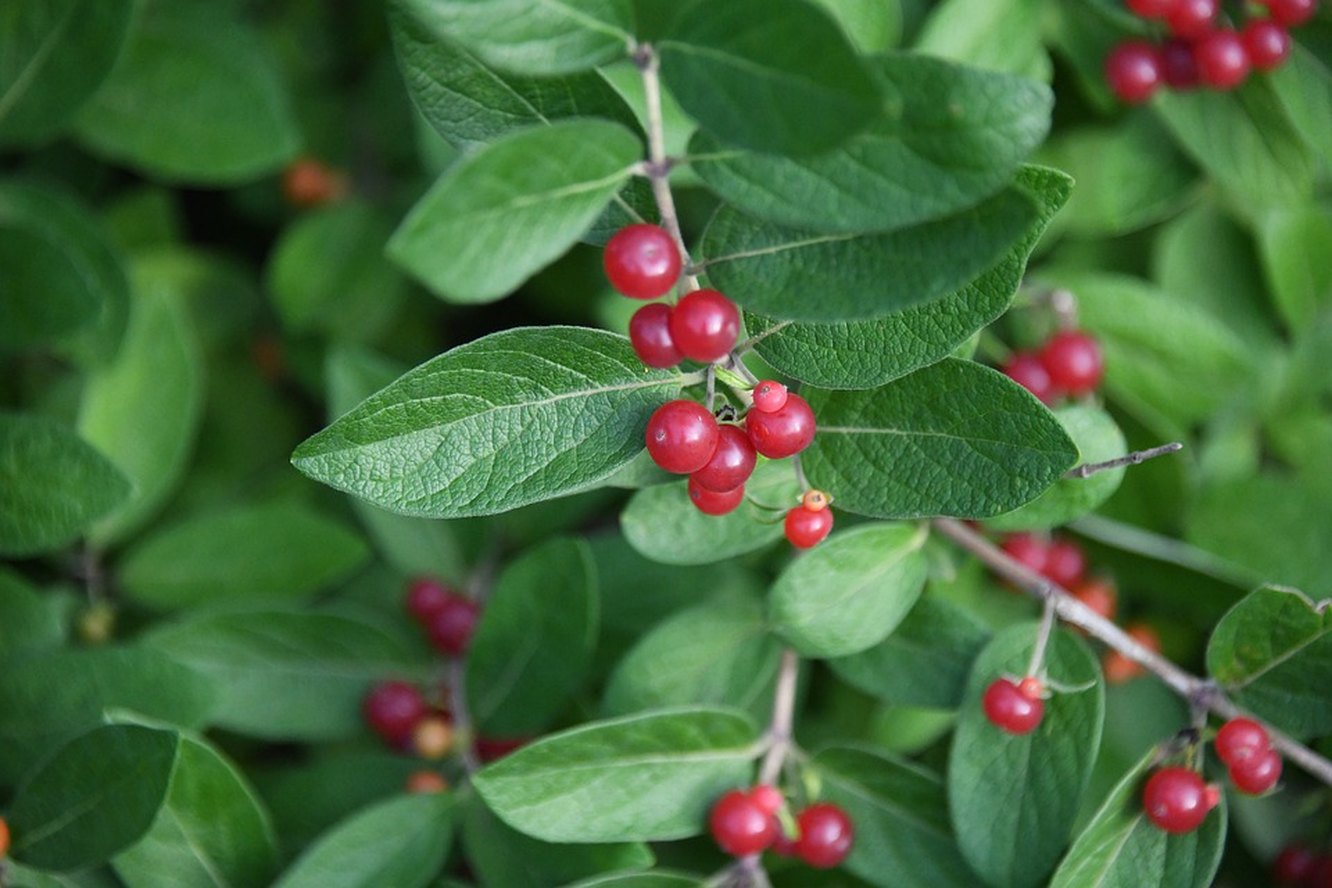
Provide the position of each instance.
(1008, 709)
(1240, 741)
(393, 709)
(1065, 563)
(1291, 12)
(1032, 688)
(806, 528)
(826, 835)
(1178, 66)
(1099, 595)
(705, 325)
(767, 797)
(783, 432)
(1223, 62)
(731, 463)
(714, 502)
(451, 629)
(1191, 18)
(650, 335)
(1176, 800)
(488, 749)
(1257, 775)
(1150, 9)
(740, 826)
(681, 436)
(1027, 549)
(1074, 361)
(1267, 43)
(769, 396)
(814, 500)
(1295, 865)
(1133, 71)
(642, 261)
(1026, 370)
(425, 783)
(427, 596)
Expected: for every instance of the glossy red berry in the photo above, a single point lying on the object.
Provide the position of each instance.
(826, 835)
(650, 335)
(767, 797)
(806, 528)
(731, 464)
(1223, 62)
(427, 596)
(1026, 370)
(642, 261)
(1256, 776)
(1291, 12)
(1267, 43)
(1065, 563)
(1027, 549)
(1241, 740)
(714, 502)
(1099, 595)
(1150, 9)
(705, 325)
(1074, 361)
(1178, 66)
(769, 396)
(783, 432)
(681, 436)
(1177, 800)
(1191, 19)
(1008, 709)
(451, 628)
(393, 709)
(740, 826)
(1295, 865)
(1133, 71)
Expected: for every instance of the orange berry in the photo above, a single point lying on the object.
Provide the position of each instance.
(1098, 594)
(4, 837)
(422, 782)
(432, 738)
(814, 500)
(309, 182)
(1119, 668)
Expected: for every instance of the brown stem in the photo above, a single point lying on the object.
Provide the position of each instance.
(461, 715)
(783, 716)
(658, 167)
(1086, 470)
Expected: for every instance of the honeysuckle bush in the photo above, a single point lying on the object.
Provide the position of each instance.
(302, 307)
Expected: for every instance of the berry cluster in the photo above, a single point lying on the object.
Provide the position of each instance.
(1070, 363)
(745, 822)
(1299, 866)
(1200, 52)
(447, 617)
(400, 714)
(1246, 750)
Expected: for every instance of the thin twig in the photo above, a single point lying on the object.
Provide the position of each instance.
(1163, 548)
(1086, 470)
(658, 167)
(1042, 637)
(783, 716)
(800, 473)
(461, 715)
(1069, 609)
(748, 344)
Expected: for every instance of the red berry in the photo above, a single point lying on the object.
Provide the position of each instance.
(814, 500)
(1074, 361)
(1065, 563)
(826, 835)
(650, 335)
(1026, 370)
(488, 749)
(783, 432)
(1291, 12)
(769, 396)
(451, 629)
(731, 464)
(681, 436)
(642, 261)
(1256, 776)
(740, 826)
(1223, 62)
(806, 528)
(705, 325)
(1150, 9)
(1176, 800)
(1032, 688)
(1009, 709)
(1133, 71)
(1267, 43)
(767, 797)
(1241, 740)
(1027, 549)
(784, 845)
(392, 709)
(713, 502)
(309, 182)
(426, 596)
(1191, 18)
(1295, 865)
(1178, 66)
(1099, 595)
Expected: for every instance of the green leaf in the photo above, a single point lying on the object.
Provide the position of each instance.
(719, 653)
(954, 438)
(514, 418)
(1303, 86)
(211, 831)
(1098, 439)
(866, 354)
(53, 485)
(143, 408)
(1121, 848)
(925, 661)
(469, 103)
(900, 811)
(950, 137)
(645, 777)
(770, 75)
(286, 675)
(512, 207)
(858, 277)
(872, 25)
(1000, 35)
(851, 591)
(534, 642)
(251, 554)
(193, 98)
(44, 296)
(96, 796)
(30, 622)
(22, 877)
(662, 524)
(55, 56)
(1013, 798)
(400, 842)
(1273, 652)
(1301, 286)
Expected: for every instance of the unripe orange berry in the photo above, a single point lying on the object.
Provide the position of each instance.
(432, 738)
(424, 782)
(309, 182)
(4, 837)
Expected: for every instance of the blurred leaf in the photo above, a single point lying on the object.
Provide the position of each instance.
(651, 776)
(1301, 285)
(1002, 35)
(517, 417)
(871, 25)
(954, 438)
(30, 622)
(770, 75)
(22, 877)
(1303, 87)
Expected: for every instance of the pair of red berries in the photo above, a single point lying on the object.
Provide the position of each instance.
(1058, 559)
(448, 617)
(1299, 866)
(1016, 707)
(399, 713)
(1245, 748)
(1070, 363)
(745, 822)
(1177, 800)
